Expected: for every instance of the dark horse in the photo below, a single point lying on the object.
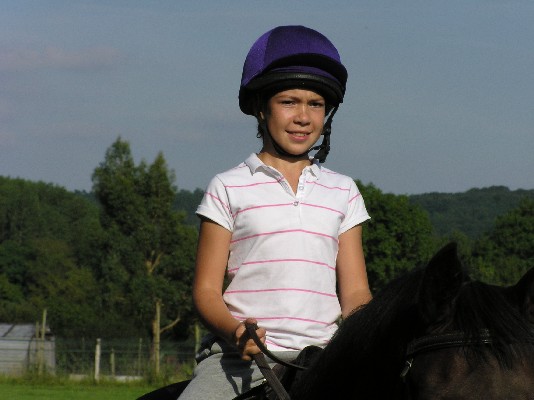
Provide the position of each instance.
(432, 333)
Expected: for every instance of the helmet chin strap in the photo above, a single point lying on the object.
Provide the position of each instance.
(323, 148)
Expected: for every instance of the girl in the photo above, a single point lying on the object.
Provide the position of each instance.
(280, 240)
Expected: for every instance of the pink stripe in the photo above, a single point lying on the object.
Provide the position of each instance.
(323, 207)
(280, 232)
(270, 342)
(288, 260)
(265, 206)
(331, 187)
(280, 290)
(239, 316)
(355, 197)
(220, 201)
(249, 185)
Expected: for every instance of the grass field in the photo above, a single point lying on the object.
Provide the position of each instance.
(71, 391)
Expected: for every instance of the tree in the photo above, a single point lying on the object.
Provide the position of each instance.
(147, 257)
(397, 238)
(48, 245)
(506, 252)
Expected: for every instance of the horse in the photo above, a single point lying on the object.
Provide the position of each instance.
(431, 333)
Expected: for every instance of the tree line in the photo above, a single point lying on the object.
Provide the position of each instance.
(118, 261)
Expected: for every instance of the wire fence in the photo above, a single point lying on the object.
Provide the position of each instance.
(94, 357)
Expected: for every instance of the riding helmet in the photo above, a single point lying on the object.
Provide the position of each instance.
(289, 57)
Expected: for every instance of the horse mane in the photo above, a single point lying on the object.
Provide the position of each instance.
(483, 306)
(373, 336)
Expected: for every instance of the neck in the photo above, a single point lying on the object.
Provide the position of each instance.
(274, 159)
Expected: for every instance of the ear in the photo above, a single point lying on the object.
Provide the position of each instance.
(523, 294)
(443, 277)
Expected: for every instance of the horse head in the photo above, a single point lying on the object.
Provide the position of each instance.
(432, 333)
(479, 339)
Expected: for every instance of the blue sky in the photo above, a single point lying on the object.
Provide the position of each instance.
(440, 94)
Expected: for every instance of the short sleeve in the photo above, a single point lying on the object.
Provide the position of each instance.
(356, 210)
(215, 205)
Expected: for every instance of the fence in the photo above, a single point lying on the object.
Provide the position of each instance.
(118, 358)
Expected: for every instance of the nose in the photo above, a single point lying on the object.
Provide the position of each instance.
(302, 115)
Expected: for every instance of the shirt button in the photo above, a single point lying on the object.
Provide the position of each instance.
(301, 187)
(295, 203)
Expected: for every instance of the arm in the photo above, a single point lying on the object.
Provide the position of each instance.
(351, 271)
(210, 268)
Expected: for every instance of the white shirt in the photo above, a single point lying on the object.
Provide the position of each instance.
(282, 261)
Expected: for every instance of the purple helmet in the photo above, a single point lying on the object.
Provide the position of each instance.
(289, 57)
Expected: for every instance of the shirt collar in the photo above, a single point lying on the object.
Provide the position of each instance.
(254, 163)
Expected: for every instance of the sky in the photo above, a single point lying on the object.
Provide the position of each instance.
(440, 94)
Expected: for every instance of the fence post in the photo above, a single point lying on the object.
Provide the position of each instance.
(41, 344)
(112, 362)
(139, 356)
(97, 360)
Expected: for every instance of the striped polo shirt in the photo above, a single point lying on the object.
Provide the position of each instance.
(282, 262)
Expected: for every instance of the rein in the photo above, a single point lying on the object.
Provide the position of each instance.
(441, 341)
(264, 367)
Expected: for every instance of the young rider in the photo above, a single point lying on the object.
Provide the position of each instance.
(281, 236)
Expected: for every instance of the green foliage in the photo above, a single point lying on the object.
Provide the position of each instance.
(151, 253)
(97, 261)
(397, 238)
(506, 252)
(86, 257)
(188, 202)
(47, 241)
(473, 212)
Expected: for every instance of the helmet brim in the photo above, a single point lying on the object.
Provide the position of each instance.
(275, 82)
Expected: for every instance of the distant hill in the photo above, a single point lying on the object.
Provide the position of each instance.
(472, 212)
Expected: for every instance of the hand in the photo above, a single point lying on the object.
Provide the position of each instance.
(244, 343)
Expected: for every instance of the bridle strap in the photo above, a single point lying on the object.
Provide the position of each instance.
(442, 341)
(446, 340)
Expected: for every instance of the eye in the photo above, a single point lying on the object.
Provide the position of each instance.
(287, 101)
(317, 104)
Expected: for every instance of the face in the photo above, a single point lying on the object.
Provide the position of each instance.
(295, 120)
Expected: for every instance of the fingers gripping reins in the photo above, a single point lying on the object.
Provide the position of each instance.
(251, 330)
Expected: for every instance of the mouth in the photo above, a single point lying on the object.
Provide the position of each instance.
(299, 135)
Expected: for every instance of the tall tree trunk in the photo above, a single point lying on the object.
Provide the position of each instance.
(156, 337)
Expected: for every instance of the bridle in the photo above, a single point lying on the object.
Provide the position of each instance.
(441, 341)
